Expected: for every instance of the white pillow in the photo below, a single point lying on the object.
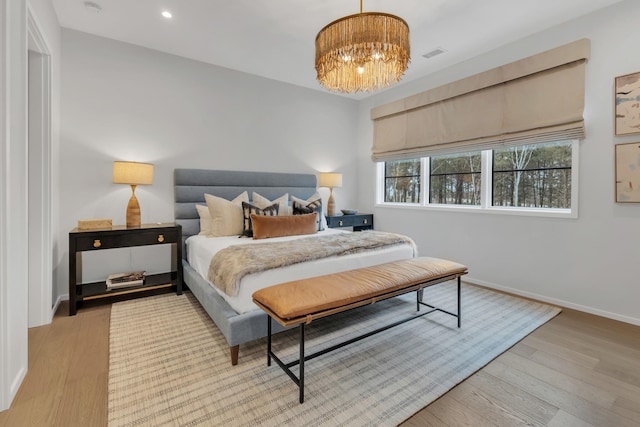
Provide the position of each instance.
(226, 216)
(263, 203)
(314, 196)
(205, 220)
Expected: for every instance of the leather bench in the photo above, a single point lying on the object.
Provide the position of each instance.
(299, 302)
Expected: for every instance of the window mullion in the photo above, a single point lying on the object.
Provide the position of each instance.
(425, 169)
(486, 178)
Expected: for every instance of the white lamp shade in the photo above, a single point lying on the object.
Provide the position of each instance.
(330, 179)
(132, 173)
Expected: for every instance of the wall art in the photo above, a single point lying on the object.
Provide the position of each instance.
(628, 173)
(627, 104)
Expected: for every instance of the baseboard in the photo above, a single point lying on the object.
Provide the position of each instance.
(554, 301)
(15, 385)
(56, 305)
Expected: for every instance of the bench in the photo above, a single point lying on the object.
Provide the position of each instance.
(301, 301)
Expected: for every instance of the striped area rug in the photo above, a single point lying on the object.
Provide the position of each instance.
(169, 365)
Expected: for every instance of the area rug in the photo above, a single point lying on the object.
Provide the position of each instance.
(169, 365)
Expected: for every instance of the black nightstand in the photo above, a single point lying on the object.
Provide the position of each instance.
(122, 237)
(359, 222)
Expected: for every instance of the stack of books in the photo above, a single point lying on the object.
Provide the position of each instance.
(125, 280)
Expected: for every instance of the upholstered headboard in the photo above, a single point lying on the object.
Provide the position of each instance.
(190, 185)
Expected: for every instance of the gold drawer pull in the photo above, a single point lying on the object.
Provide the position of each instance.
(340, 223)
(365, 221)
(161, 238)
(97, 243)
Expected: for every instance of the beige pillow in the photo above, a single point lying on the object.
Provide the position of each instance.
(278, 226)
(263, 203)
(226, 216)
(205, 220)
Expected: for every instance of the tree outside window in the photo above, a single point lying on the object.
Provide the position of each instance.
(402, 181)
(455, 179)
(533, 176)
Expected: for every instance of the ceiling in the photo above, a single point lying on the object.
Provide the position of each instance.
(275, 38)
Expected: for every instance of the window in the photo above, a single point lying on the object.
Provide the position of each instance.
(538, 179)
(533, 176)
(455, 179)
(402, 181)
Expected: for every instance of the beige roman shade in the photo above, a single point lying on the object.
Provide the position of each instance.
(534, 100)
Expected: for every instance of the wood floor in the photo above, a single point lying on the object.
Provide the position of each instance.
(576, 370)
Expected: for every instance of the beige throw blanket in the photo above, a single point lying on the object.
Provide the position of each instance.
(231, 264)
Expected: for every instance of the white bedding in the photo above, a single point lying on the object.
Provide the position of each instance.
(201, 249)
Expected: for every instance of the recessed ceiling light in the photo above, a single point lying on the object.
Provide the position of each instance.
(166, 14)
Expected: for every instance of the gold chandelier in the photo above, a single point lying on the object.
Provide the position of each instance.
(362, 52)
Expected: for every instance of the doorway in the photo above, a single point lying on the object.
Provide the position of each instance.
(40, 255)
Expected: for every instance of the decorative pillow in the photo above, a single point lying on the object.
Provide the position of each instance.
(205, 220)
(262, 202)
(226, 216)
(309, 207)
(315, 196)
(290, 225)
(249, 211)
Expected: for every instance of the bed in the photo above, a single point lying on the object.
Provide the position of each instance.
(239, 322)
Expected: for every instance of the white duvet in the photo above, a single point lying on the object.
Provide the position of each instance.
(201, 249)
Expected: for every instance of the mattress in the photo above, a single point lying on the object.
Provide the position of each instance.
(201, 249)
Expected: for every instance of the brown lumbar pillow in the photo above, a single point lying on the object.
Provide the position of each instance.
(278, 226)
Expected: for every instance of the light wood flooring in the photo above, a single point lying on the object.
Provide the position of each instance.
(576, 370)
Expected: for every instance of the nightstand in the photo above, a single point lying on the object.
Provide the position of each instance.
(122, 237)
(359, 222)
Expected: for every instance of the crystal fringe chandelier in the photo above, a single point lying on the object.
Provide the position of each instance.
(362, 52)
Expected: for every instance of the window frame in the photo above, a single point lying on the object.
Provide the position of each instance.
(485, 191)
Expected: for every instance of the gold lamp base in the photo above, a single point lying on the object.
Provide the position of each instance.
(331, 206)
(133, 210)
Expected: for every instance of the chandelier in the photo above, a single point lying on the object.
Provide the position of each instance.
(362, 52)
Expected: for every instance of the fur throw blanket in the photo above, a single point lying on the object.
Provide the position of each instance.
(230, 265)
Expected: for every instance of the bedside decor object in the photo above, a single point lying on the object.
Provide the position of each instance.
(94, 224)
(125, 280)
(627, 173)
(133, 174)
(627, 107)
(329, 179)
(349, 211)
(362, 52)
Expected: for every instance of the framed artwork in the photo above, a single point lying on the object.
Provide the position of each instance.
(627, 104)
(628, 173)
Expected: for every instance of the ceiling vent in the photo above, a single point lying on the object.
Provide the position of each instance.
(93, 7)
(434, 52)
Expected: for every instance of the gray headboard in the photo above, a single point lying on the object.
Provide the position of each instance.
(190, 185)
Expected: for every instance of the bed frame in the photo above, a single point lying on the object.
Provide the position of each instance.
(190, 185)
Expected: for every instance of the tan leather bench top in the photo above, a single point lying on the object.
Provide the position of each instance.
(316, 294)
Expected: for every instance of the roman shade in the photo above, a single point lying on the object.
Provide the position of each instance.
(534, 100)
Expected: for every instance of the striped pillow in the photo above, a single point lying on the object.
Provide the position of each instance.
(248, 209)
(307, 208)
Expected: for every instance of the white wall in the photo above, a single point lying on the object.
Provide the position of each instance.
(124, 102)
(13, 201)
(13, 178)
(589, 263)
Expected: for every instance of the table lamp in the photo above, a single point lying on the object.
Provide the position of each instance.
(133, 174)
(329, 179)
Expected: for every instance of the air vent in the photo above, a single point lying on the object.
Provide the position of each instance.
(93, 7)
(434, 52)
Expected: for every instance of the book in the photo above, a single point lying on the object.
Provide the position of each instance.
(125, 280)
